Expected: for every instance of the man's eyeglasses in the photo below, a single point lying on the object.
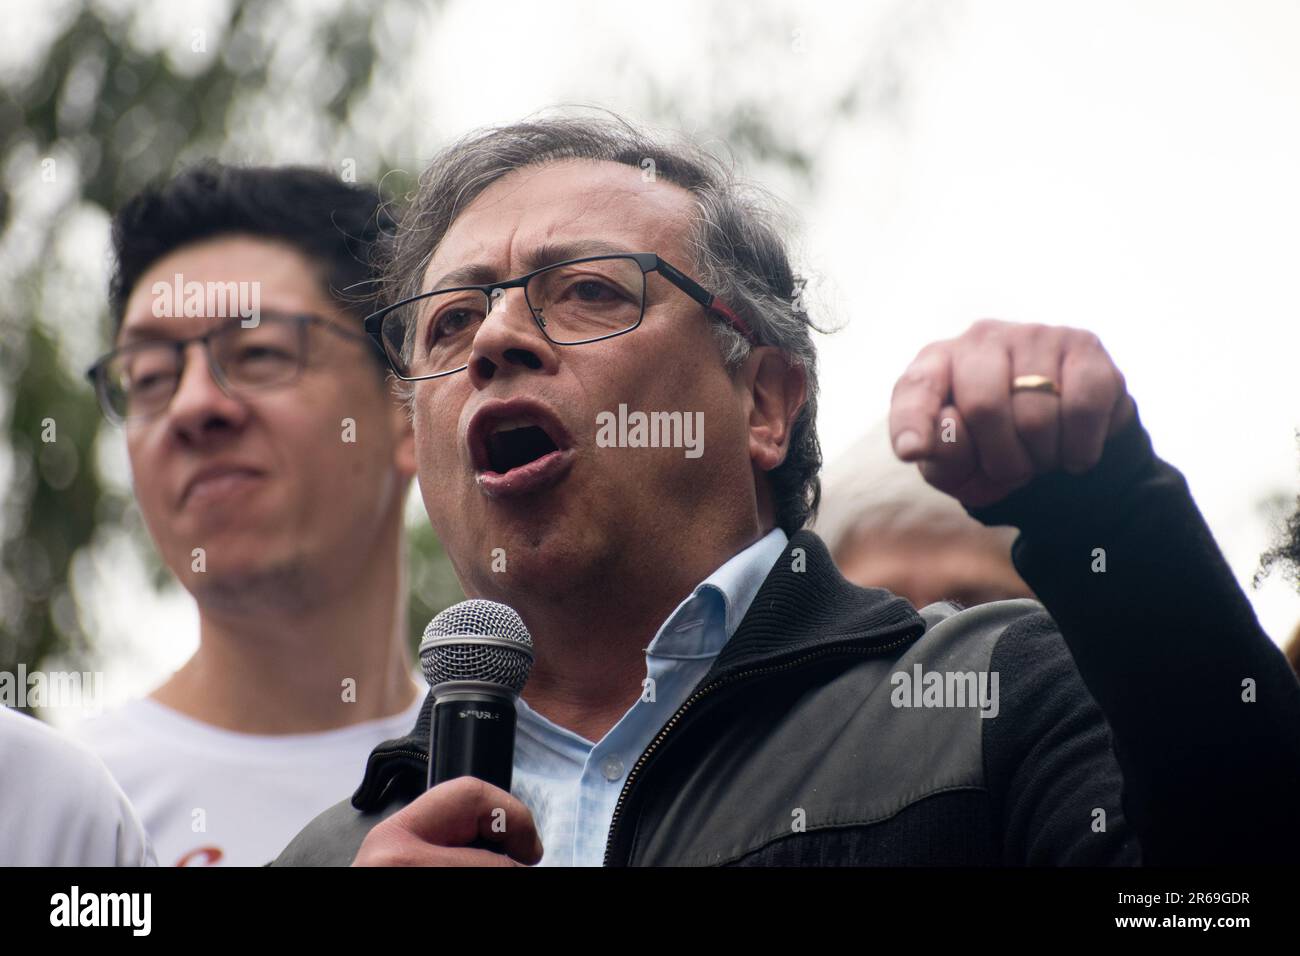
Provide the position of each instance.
(137, 381)
(573, 302)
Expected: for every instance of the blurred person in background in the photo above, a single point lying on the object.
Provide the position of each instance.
(271, 465)
(886, 527)
(58, 804)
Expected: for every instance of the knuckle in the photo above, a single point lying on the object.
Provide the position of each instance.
(482, 793)
(911, 380)
(1055, 337)
(1091, 366)
(932, 352)
(905, 381)
(986, 328)
(470, 787)
(919, 376)
(383, 848)
(1087, 340)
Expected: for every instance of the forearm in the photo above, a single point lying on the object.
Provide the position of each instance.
(1166, 643)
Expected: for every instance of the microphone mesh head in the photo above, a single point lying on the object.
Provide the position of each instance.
(477, 640)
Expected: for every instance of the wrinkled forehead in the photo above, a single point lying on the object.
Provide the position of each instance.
(586, 207)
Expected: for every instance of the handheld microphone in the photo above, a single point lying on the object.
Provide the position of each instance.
(476, 656)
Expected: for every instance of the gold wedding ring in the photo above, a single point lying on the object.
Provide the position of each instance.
(1034, 383)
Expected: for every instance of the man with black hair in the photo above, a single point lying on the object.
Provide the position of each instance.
(271, 466)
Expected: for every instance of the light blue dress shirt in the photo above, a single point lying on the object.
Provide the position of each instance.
(570, 784)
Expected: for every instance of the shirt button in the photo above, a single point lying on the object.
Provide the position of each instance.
(612, 768)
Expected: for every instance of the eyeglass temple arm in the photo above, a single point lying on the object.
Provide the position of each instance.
(706, 299)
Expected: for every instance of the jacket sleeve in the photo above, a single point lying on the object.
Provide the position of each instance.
(1203, 709)
(1053, 779)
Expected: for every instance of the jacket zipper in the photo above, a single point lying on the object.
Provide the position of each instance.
(840, 650)
(423, 758)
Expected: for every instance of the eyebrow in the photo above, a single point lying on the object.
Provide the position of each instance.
(539, 257)
(163, 329)
(149, 331)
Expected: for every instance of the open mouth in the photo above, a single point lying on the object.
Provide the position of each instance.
(518, 447)
(510, 448)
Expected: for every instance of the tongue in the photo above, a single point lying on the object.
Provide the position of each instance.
(517, 447)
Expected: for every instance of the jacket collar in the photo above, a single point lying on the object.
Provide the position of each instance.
(804, 605)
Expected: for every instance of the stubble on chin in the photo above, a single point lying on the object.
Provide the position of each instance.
(284, 587)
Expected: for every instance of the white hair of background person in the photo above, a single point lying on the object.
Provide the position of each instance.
(871, 500)
(867, 487)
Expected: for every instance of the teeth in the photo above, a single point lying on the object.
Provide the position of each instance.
(507, 424)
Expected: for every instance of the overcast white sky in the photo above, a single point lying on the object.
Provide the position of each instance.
(1126, 167)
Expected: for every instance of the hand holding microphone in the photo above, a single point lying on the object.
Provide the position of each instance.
(441, 826)
(476, 656)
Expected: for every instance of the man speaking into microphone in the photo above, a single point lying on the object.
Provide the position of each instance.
(566, 297)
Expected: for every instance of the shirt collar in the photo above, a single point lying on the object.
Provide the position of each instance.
(705, 620)
(807, 607)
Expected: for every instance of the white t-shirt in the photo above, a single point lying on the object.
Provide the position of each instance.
(210, 796)
(58, 804)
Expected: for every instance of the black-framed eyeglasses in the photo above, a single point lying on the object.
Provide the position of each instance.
(137, 381)
(573, 302)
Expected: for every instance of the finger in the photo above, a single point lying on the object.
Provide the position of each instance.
(953, 464)
(919, 394)
(1037, 415)
(400, 847)
(981, 379)
(457, 812)
(469, 856)
(1092, 390)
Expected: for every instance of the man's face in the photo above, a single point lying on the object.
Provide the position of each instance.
(604, 511)
(267, 484)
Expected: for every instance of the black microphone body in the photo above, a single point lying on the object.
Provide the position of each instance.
(476, 656)
(473, 736)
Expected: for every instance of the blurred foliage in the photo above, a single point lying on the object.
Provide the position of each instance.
(51, 510)
(100, 115)
(1279, 509)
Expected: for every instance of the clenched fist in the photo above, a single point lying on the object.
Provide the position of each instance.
(956, 414)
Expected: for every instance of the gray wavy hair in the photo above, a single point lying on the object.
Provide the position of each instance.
(738, 242)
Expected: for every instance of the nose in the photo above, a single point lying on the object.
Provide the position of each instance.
(201, 412)
(508, 341)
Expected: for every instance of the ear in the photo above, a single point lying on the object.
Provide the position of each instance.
(777, 391)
